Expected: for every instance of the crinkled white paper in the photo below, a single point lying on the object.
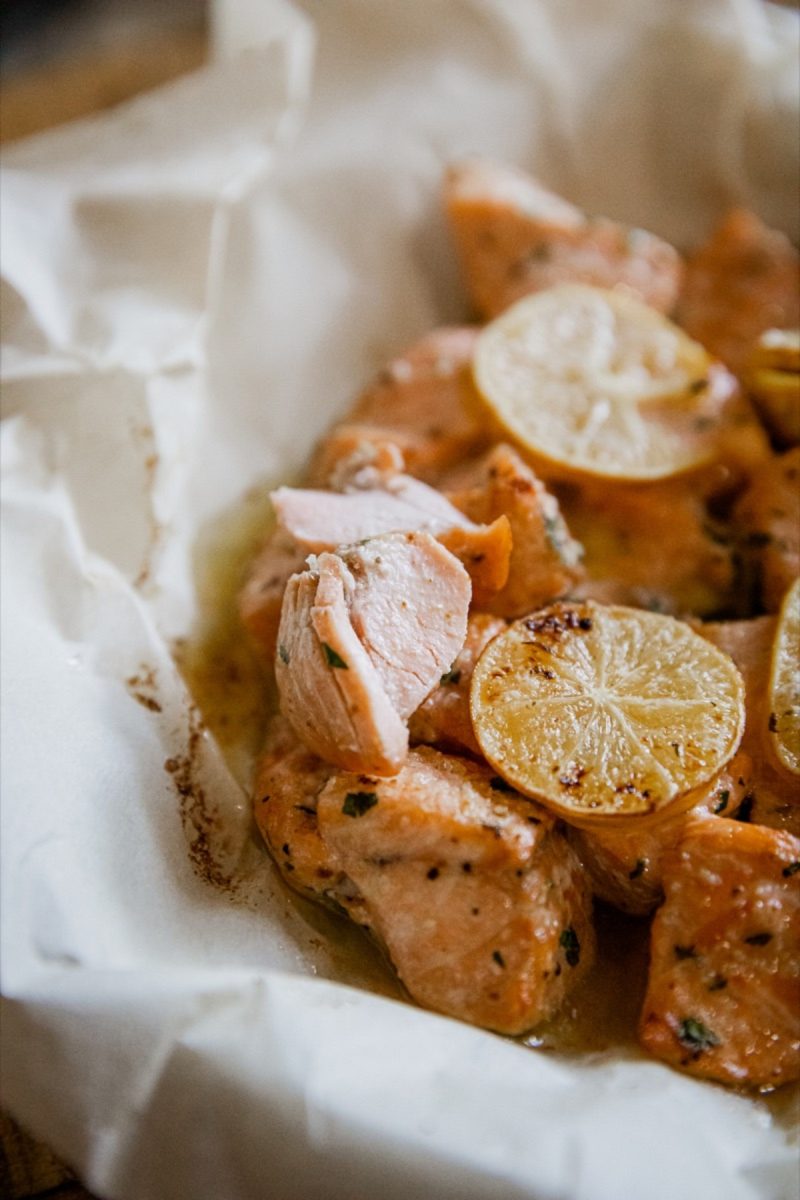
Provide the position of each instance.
(192, 286)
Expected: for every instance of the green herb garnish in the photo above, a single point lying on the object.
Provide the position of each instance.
(792, 869)
(450, 677)
(498, 958)
(696, 1035)
(283, 653)
(571, 946)
(722, 803)
(333, 659)
(357, 803)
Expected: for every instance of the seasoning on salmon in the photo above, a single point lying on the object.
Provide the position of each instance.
(513, 237)
(479, 900)
(767, 517)
(723, 995)
(743, 281)
(317, 521)
(625, 866)
(443, 719)
(365, 635)
(424, 402)
(545, 559)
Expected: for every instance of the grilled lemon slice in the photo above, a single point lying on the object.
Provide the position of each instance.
(605, 713)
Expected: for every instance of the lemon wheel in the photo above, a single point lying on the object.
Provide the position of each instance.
(605, 712)
(591, 381)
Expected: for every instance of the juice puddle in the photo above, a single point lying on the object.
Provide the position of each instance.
(233, 693)
(603, 1010)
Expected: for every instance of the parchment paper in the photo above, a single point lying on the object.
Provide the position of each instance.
(192, 286)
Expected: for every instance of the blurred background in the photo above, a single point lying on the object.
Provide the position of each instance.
(61, 59)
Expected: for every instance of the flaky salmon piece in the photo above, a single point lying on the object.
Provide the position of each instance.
(480, 902)
(365, 635)
(743, 281)
(723, 994)
(424, 401)
(316, 520)
(443, 719)
(772, 797)
(626, 866)
(652, 545)
(768, 521)
(372, 496)
(545, 559)
(514, 237)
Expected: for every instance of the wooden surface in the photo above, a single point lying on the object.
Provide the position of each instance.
(28, 1169)
(58, 92)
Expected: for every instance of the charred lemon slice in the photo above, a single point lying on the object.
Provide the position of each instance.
(784, 684)
(774, 382)
(604, 712)
(592, 381)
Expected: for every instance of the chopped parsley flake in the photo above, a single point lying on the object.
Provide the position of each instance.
(792, 869)
(571, 946)
(722, 803)
(283, 653)
(333, 659)
(498, 958)
(696, 1035)
(639, 869)
(451, 677)
(357, 803)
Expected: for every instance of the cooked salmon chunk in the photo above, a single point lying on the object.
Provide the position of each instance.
(365, 635)
(652, 545)
(723, 994)
(513, 237)
(478, 899)
(318, 520)
(545, 559)
(443, 719)
(772, 797)
(743, 281)
(768, 521)
(626, 866)
(424, 401)
(262, 595)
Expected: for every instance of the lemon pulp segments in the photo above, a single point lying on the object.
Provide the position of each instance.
(604, 711)
(594, 381)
